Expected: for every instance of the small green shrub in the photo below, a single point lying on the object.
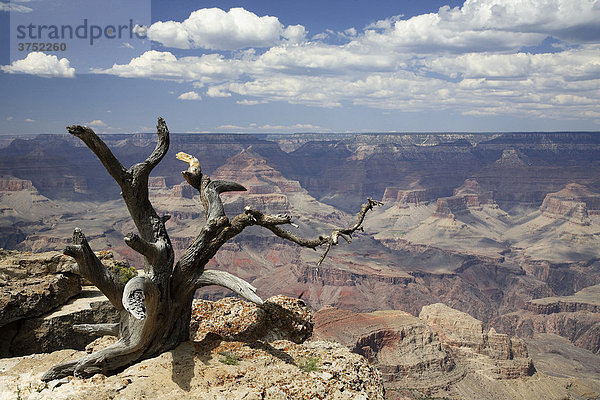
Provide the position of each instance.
(229, 358)
(123, 270)
(309, 364)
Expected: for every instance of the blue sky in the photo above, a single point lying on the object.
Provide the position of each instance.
(336, 66)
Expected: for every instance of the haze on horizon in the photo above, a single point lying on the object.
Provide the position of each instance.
(264, 67)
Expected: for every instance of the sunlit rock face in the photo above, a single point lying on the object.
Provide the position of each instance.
(575, 203)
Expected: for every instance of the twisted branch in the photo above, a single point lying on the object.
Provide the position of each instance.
(91, 268)
(273, 222)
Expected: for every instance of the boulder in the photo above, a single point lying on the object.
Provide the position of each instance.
(279, 318)
(54, 330)
(33, 284)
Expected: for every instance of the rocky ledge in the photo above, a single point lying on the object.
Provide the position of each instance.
(32, 284)
(463, 335)
(587, 299)
(41, 297)
(226, 360)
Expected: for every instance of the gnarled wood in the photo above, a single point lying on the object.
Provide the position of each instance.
(90, 267)
(231, 282)
(155, 308)
(97, 329)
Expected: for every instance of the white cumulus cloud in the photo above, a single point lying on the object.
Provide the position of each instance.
(213, 28)
(164, 65)
(489, 25)
(189, 96)
(41, 64)
(96, 122)
(468, 60)
(11, 7)
(217, 92)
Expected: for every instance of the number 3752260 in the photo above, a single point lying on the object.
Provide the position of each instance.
(49, 46)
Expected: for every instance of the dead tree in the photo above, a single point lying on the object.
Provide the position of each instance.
(155, 308)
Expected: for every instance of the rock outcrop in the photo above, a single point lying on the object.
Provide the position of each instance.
(279, 318)
(54, 331)
(41, 298)
(404, 197)
(468, 196)
(461, 332)
(402, 347)
(511, 158)
(574, 203)
(450, 207)
(576, 318)
(446, 354)
(12, 184)
(221, 363)
(33, 284)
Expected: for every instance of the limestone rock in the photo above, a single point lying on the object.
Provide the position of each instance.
(12, 184)
(574, 203)
(576, 318)
(459, 331)
(54, 331)
(404, 349)
(33, 284)
(211, 369)
(279, 318)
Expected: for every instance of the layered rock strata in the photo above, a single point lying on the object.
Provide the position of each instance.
(575, 203)
(468, 196)
(576, 318)
(459, 331)
(404, 349)
(33, 284)
(54, 330)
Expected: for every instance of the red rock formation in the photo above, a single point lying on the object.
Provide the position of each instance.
(470, 195)
(458, 330)
(474, 194)
(450, 207)
(574, 203)
(157, 182)
(394, 194)
(404, 349)
(183, 190)
(11, 184)
(575, 317)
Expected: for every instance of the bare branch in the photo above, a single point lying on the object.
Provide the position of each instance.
(153, 242)
(101, 150)
(209, 190)
(93, 270)
(145, 248)
(144, 168)
(231, 282)
(272, 223)
(207, 242)
(97, 329)
(212, 190)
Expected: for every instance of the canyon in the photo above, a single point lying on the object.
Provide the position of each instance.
(504, 228)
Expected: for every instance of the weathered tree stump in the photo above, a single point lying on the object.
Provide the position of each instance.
(155, 308)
